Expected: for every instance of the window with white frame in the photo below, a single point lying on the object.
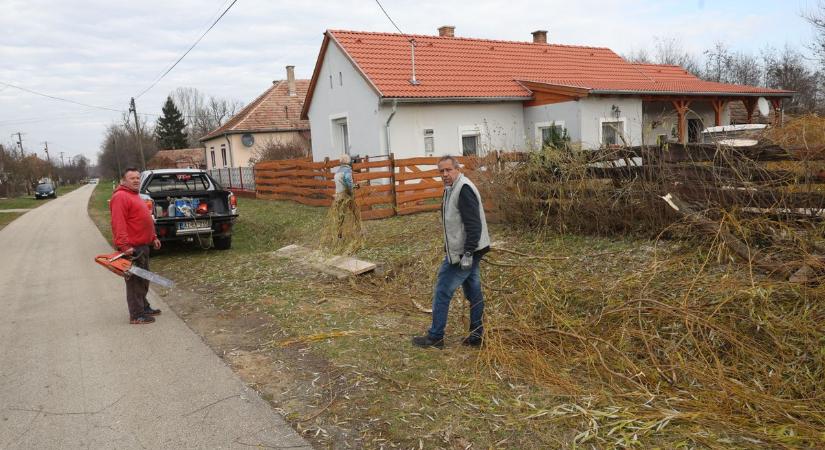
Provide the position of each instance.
(612, 132)
(549, 133)
(429, 142)
(470, 144)
(223, 154)
(212, 151)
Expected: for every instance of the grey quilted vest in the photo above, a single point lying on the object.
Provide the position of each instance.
(454, 227)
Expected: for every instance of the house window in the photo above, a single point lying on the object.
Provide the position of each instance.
(429, 142)
(469, 145)
(550, 133)
(340, 79)
(330, 81)
(212, 151)
(612, 132)
(223, 154)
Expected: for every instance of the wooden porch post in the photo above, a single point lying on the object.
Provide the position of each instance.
(681, 107)
(750, 106)
(718, 107)
(777, 111)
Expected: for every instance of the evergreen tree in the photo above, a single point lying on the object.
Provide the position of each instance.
(169, 131)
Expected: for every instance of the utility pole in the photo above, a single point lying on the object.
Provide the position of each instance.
(49, 160)
(19, 143)
(117, 157)
(133, 110)
(62, 164)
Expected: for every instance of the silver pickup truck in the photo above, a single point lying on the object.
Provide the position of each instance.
(189, 205)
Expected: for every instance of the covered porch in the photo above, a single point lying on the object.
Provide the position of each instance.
(681, 118)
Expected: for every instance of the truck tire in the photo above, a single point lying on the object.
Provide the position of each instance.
(222, 243)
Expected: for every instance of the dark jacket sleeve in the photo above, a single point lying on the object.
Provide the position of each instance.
(468, 207)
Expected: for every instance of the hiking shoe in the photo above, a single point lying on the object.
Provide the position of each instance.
(425, 341)
(472, 341)
(142, 320)
(149, 311)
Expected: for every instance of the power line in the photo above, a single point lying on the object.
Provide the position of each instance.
(188, 50)
(59, 98)
(388, 17)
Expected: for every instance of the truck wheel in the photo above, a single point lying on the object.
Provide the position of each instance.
(222, 243)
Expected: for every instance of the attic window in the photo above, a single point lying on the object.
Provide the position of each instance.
(330, 81)
(340, 79)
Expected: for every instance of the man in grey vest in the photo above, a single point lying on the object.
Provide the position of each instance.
(465, 241)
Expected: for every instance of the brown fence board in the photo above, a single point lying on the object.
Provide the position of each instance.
(364, 176)
(416, 196)
(417, 209)
(377, 214)
(406, 176)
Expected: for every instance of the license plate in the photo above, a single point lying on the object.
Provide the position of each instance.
(194, 225)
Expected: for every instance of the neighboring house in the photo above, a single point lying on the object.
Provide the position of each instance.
(273, 117)
(183, 158)
(467, 96)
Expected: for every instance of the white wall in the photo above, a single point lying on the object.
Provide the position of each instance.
(595, 110)
(566, 113)
(350, 97)
(500, 126)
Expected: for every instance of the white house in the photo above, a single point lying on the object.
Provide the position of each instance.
(415, 95)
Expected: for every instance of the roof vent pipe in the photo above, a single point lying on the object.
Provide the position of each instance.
(446, 31)
(539, 36)
(290, 79)
(413, 80)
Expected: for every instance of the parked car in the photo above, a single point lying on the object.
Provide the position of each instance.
(189, 205)
(45, 190)
(93, 180)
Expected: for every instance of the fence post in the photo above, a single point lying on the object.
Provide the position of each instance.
(240, 177)
(392, 184)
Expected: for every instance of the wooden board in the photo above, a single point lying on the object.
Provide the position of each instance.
(335, 265)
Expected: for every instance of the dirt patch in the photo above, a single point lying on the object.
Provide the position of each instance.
(296, 383)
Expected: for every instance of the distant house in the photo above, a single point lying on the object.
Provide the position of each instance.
(183, 158)
(273, 117)
(467, 96)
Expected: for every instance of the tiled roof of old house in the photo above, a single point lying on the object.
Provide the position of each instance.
(274, 110)
(452, 67)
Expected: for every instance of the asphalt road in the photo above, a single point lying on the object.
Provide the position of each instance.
(75, 374)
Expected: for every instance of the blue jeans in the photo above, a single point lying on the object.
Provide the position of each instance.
(450, 277)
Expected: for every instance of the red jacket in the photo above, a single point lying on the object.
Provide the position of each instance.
(132, 223)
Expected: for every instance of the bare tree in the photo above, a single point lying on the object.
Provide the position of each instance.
(787, 70)
(670, 51)
(638, 56)
(816, 17)
(724, 66)
(201, 113)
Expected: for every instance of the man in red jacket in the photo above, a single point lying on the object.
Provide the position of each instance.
(133, 231)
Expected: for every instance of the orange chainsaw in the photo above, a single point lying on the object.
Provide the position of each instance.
(120, 264)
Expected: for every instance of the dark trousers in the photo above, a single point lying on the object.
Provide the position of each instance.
(136, 287)
(450, 277)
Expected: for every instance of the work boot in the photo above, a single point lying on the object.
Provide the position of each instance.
(426, 341)
(142, 320)
(472, 341)
(149, 311)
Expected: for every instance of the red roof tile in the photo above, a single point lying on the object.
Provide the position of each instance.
(461, 67)
(274, 110)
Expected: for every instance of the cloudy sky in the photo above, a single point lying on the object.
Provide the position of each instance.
(102, 52)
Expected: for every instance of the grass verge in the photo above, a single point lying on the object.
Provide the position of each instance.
(29, 202)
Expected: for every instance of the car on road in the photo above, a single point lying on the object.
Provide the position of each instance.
(93, 180)
(45, 190)
(189, 205)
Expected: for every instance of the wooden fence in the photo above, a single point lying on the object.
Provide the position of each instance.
(388, 186)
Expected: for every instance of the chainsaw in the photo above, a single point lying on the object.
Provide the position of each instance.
(120, 264)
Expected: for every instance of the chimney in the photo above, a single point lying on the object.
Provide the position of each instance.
(290, 79)
(539, 36)
(446, 31)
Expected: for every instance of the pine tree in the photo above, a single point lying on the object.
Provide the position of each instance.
(169, 130)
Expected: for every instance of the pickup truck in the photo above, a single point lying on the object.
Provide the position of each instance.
(189, 205)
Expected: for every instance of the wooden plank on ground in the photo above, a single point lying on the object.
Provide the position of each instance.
(336, 265)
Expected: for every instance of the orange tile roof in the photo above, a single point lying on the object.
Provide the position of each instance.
(274, 110)
(480, 68)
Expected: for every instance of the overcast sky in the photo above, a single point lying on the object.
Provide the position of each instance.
(102, 52)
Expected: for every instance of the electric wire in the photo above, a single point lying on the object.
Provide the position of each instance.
(188, 50)
(53, 97)
(388, 17)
